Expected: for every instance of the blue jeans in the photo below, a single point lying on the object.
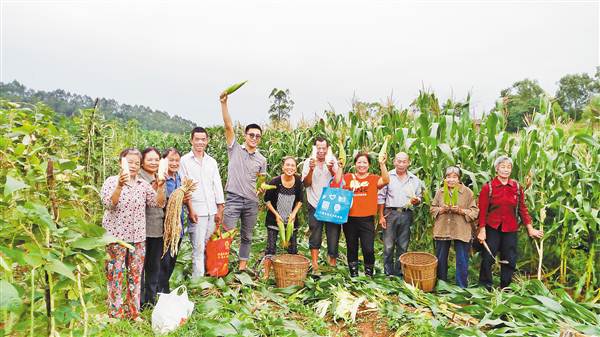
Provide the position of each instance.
(395, 239)
(246, 210)
(442, 247)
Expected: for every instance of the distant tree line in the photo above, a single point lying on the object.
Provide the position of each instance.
(68, 104)
(574, 98)
(577, 98)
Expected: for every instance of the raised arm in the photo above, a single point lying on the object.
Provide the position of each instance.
(338, 175)
(307, 179)
(227, 122)
(161, 194)
(385, 175)
(110, 200)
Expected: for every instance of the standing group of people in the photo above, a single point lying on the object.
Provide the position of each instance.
(134, 204)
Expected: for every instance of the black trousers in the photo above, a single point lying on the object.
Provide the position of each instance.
(506, 244)
(156, 271)
(360, 230)
(169, 263)
(273, 237)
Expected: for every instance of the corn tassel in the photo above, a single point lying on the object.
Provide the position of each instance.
(172, 225)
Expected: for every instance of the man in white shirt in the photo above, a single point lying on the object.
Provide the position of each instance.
(316, 174)
(207, 202)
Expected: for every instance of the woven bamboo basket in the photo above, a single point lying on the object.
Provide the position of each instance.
(419, 269)
(290, 270)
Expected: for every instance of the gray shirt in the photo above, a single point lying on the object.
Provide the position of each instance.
(155, 216)
(398, 193)
(320, 179)
(243, 169)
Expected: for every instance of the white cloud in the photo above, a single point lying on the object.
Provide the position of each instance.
(178, 55)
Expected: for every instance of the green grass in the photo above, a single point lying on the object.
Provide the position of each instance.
(241, 305)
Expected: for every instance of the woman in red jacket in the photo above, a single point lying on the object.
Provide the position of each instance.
(500, 202)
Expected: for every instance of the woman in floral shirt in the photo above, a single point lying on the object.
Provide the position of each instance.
(125, 198)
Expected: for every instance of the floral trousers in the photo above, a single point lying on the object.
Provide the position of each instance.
(121, 259)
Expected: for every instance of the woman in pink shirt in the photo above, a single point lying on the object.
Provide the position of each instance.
(125, 198)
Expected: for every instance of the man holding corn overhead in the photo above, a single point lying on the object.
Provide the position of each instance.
(245, 164)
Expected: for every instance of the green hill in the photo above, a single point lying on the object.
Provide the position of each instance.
(68, 104)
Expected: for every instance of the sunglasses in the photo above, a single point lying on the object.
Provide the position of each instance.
(254, 135)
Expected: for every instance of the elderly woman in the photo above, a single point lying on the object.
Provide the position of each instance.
(172, 183)
(125, 198)
(360, 227)
(501, 202)
(283, 204)
(155, 265)
(453, 209)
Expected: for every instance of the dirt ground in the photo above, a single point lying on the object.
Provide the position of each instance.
(368, 324)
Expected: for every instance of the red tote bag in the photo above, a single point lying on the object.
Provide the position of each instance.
(217, 254)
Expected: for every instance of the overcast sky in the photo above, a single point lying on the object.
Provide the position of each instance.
(177, 56)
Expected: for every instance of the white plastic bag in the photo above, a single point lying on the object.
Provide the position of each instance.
(171, 311)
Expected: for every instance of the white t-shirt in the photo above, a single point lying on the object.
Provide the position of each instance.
(209, 191)
(320, 179)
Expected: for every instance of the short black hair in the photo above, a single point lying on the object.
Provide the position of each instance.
(253, 126)
(198, 129)
(170, 150)
(148, 150)
(362, 154)
(321, 139)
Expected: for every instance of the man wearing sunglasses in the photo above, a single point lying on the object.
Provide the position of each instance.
(245, 164)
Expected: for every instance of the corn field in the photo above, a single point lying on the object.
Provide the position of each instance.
(52, 244)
